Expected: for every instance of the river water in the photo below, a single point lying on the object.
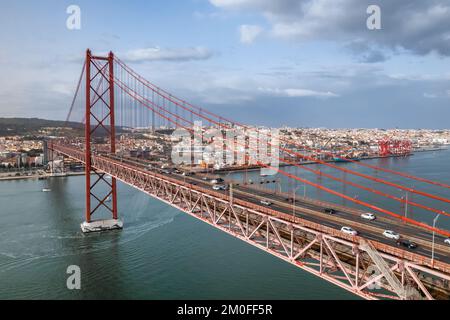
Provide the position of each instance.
(161, 253)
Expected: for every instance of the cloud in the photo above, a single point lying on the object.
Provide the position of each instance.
(61, 88)
(167, 54)
(249, 33)
(296, 93)
(429, 95)
(418, 26)
(233, 3)
(365, 52)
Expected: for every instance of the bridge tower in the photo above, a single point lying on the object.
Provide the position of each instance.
(99, 116)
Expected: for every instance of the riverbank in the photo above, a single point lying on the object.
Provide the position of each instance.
(3, 177)
(256, 167)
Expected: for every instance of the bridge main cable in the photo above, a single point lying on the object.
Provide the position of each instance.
(378, 180)
(134, 95)
(151, 85)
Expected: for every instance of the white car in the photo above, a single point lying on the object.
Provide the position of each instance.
(368, 216)
(391, 234)
(447, 241)
(219, 187)
(266, 202)
(350, 231)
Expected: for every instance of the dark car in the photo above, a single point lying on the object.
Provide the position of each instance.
(330, 211)
(406, 243)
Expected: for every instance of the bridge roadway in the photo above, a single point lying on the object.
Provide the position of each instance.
(314, 211)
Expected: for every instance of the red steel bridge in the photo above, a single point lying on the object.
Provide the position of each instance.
(111, 96)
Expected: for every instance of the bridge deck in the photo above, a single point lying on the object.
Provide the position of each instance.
(311, 240)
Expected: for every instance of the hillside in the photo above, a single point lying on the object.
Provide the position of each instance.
(32, 126)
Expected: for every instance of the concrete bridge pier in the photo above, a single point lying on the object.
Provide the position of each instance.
(101, 225)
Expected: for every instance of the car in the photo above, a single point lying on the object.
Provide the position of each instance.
(447, 241)
(330, 211)
(266, 202)
(391, 234)
(219, 187)
(406, 243)
(368, 216)
(349, 231)
(218, 180)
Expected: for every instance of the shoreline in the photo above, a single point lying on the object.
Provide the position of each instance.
(221, 171)
(37, 176)
(254, 168)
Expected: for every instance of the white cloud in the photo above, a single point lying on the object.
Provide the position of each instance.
(249, 33)
(167, 54)
(236, 4)
(297, 92)
(64, 89)
(435, 95)
(429, 95)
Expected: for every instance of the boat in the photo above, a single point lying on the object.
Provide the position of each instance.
(58, 174)
(46, 190)
(108, 199)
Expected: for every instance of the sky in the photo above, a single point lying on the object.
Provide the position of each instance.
(302, 63)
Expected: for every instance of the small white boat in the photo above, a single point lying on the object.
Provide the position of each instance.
(108, 199)
(46, 190)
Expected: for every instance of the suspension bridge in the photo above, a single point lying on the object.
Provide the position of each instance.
(111, 96)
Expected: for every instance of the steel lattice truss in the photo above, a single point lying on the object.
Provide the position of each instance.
(370, 270)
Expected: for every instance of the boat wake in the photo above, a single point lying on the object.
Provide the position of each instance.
(45, 242)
